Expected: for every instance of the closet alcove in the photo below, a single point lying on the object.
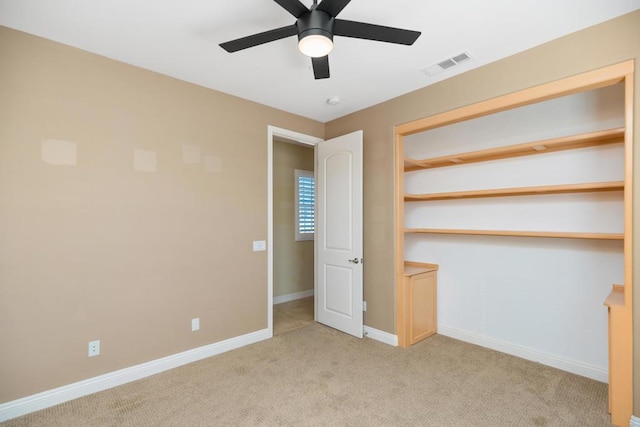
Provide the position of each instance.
(524, 204)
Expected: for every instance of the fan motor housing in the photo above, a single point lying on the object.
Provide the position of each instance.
(316, 22)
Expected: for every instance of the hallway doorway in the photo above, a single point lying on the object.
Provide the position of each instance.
(291, 234)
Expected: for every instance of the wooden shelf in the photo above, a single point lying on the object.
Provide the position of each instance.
(590, 139)
(516, 233)
(412, 268)
(411, 163)
(615, 297)
(521, 191)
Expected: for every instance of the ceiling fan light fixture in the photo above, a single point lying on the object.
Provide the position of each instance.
(315, 45)
(315, 33)
(315, 27)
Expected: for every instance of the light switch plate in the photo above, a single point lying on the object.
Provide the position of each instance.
(259, 245)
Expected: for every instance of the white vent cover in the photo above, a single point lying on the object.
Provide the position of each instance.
(451, 62)
(447, 63)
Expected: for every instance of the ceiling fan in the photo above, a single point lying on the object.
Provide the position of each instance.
(315, 28)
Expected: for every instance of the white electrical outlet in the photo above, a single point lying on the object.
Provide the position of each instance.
(195, 324)
(259, 245)
(94, 348)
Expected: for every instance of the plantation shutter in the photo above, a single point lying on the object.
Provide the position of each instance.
(305, 204)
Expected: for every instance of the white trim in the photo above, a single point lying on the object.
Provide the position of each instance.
(572, 366)
(65, 393)
(378, 335)
(300, 138)
(635, 421)
(294, 296)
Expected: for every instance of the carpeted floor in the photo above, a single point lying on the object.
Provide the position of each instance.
(316, 376)
(292, 315)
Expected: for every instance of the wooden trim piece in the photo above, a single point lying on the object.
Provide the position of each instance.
(621, 318)
(399, 243)
(590, 139)
(620, 374)
(589, 187)
(515, 233)
(628, 190)
(595, 79)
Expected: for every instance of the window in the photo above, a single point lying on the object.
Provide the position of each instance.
(305, 198)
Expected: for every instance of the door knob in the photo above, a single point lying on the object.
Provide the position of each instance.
(355, 261)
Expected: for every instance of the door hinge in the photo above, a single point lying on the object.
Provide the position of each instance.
(364, 306)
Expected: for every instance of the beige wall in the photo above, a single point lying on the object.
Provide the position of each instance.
(611, 42)
(292, 261)
(100, 251)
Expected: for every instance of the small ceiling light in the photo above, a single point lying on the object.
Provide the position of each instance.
(315, 45)
(334, 100)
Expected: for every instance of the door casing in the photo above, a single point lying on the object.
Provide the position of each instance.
(295, 138)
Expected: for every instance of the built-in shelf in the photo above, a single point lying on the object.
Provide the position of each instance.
(412, 268)
(590, 139)
(516, 233)
(615, 297)
(521, 191)
(618, 304)
(411, 164)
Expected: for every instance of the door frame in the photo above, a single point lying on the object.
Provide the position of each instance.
(296, 138)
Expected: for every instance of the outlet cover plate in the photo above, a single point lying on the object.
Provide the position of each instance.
(259, 245)
(195, 324)
(94, 348)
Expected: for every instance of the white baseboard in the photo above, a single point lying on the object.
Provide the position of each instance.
(574, 367)
(65, 393)
(293, 297)
(378, 335)
(635, 421)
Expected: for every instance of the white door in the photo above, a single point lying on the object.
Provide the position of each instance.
(339, 233)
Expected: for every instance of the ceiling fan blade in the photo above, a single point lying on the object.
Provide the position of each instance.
(294, 7)
(361, 30)
(320, 67)
(260, 38)
(333, 7)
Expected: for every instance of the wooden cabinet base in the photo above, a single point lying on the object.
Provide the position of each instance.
(620, 364)
(419, 301)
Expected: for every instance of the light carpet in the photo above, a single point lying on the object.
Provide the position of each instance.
(316, 376)
(292, 315)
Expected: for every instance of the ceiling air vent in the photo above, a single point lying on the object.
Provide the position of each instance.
(464, 56)
(434, 69)
(447, 64)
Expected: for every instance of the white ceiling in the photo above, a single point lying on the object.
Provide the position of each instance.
(180, 38)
